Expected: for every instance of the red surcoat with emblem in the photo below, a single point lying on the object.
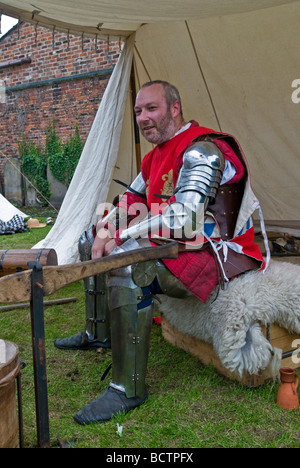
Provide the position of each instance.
(198, 270)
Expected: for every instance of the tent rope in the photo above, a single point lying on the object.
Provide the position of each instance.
(203, 77)
(143, 63)
(23, 175)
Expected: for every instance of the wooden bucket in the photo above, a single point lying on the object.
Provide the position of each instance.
(14, 261)
(9, 369)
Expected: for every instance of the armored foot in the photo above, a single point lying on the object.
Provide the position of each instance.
(82, 342)
(110, 403)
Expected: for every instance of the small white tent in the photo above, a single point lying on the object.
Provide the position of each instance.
(8, 210)
(236, 65)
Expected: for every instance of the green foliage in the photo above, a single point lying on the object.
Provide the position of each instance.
(34, 166)
(63, 159)
(53, 142)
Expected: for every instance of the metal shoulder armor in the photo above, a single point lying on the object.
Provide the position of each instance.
(197, 185)
(201, 172)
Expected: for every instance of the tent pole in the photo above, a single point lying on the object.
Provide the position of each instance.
(203, 77)
(136, 129)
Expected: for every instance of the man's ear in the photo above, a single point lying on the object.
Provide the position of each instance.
(175, 109)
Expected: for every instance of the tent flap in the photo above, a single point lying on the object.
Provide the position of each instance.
(122, 17)
(91, 181)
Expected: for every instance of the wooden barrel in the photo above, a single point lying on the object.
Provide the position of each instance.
(9, 369)
(14, 261)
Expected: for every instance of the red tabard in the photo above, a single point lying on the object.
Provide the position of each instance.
(197, 270)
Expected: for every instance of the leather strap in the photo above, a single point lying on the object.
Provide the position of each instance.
(226, 208)
(238, 263)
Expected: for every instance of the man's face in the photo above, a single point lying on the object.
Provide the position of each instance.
(156, 122)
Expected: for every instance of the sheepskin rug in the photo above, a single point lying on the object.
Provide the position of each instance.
(231, 319)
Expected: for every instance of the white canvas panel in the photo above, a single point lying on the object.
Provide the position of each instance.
(121, 17)
(8, 210)
(235, 74)
(91, 181)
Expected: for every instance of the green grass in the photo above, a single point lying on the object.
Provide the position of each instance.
(189, 405)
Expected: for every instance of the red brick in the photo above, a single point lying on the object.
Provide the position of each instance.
(31, 110)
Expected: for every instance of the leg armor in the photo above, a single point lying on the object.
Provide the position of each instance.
(96, 297)
(96, 333)
(131, 321)
(131, 317)
(169, 284)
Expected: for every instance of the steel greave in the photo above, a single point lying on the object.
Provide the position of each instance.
(130, 338)
(97, 325)
(96, 308)
(130, 327)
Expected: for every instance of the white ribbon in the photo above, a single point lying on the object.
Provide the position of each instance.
(225, 245)
(257, 206)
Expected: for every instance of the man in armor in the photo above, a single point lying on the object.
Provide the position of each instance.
(194, 186)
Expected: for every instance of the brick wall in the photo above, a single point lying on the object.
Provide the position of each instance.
(65, 80)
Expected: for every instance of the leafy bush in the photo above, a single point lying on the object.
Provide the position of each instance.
(34, 167)
(61, 158)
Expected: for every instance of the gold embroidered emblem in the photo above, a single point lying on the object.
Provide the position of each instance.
(168, 187)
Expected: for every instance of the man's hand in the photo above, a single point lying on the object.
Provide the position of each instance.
(103, 244)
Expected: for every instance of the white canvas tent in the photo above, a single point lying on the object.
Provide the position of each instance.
(8, 210)
(236, 64)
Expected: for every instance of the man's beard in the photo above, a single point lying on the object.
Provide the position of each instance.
(163, 131)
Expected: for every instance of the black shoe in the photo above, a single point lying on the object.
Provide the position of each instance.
(110, 403)
(81, 342)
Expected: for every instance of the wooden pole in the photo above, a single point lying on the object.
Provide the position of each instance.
(136, 129)
(46, 303)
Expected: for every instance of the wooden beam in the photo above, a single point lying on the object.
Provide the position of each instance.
(17, 288)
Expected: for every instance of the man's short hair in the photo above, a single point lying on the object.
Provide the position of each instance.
(171, 92)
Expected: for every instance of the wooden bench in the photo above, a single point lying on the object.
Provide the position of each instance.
(278, 337)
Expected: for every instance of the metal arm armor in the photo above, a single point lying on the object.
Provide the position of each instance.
(197, 184)
(85, 244)
(201, 172)
(138, 186)
(118, 216)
